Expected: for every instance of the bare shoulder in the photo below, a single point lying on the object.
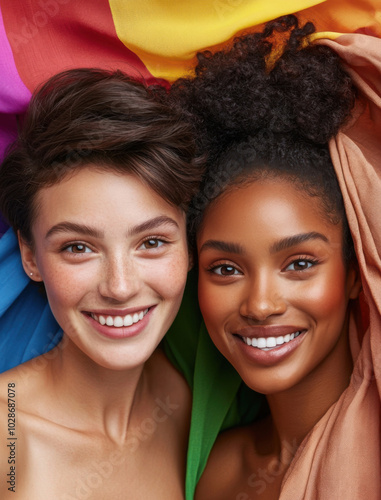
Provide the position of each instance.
(19, 388)
(9, 385)
(23, 378)
(16, 390)
(168, 383)
(244, 464)
(8, 438)
(225, 465)
(11, 382)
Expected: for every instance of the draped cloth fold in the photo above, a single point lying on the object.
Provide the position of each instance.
(341, 457)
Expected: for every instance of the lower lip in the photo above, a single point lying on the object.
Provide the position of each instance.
(272, 356)
(122, 332)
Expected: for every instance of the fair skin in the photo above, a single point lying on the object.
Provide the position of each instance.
(99, 415)
(274, 292)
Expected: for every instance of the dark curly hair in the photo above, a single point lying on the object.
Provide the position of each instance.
(105, 118)
(267, 106)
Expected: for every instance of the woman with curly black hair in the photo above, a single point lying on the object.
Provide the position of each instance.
(279, 280)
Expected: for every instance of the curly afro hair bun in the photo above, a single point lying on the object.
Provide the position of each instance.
(276, 80)
(267, 106)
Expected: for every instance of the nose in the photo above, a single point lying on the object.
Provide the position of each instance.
(262, 298)
(120, 279)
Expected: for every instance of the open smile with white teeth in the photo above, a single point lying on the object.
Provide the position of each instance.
(265, 344)
(119, 321)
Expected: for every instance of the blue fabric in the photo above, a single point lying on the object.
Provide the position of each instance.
(220, 400)
(27, 326)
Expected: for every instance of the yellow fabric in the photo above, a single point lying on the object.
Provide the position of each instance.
(166, 34)
(346, 16)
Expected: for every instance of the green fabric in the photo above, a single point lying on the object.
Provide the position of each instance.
(220, 399)
(180, 342)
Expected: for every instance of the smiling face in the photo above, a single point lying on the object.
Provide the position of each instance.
(113, 258)
(273, 286)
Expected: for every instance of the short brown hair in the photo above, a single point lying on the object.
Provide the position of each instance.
(87, 116)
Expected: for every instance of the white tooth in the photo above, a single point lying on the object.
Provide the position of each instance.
(254, 342)
(248, 341)
(141, 314)
(118, 321)
(297, 334)
(127, 320)
(279, 340)
(135, 318)
(145, 312)
(261, 342)
(271, 342)
(109, 321)
(287, 338)
(292, 336)
(102, 320)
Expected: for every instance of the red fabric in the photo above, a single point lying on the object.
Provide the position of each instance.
(49, 36)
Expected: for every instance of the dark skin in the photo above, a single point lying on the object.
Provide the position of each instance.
(270, 265)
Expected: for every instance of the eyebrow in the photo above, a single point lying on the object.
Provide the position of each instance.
(283, 244)
(223, 246)
(291, 241)
(72, 227)
(161, 220)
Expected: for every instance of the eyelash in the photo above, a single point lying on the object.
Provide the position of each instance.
(66, 247)
(307, 260)
(154, 238)
(159, 240)
(212, 269)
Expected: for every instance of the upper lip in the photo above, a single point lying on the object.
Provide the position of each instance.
(118, 312)
(267, 331)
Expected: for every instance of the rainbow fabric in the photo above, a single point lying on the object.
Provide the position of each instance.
(149, 39)
(155, 40)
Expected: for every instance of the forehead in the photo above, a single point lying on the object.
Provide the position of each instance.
(274, 208)
(103, 197)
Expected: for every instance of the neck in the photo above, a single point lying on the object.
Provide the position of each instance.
(296, 411)
(111, 397)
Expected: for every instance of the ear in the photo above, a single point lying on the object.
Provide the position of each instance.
(28, 259)
(354, 280)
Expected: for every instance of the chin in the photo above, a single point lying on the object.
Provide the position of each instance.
(264, 383)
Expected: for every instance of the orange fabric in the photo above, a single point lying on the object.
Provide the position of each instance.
(341, 457)
(346, 16)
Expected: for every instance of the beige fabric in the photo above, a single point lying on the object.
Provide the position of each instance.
(341, 458)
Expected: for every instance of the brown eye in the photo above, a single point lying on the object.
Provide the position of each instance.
(225, 270)
(300, 265)
(78, 248)
(152, 243)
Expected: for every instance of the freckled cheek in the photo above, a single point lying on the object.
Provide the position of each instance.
(168, 277)
(66, 287)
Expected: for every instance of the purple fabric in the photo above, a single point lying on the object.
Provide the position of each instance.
(14, 98)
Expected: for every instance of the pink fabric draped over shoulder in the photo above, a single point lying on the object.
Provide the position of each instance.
(341, 457)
